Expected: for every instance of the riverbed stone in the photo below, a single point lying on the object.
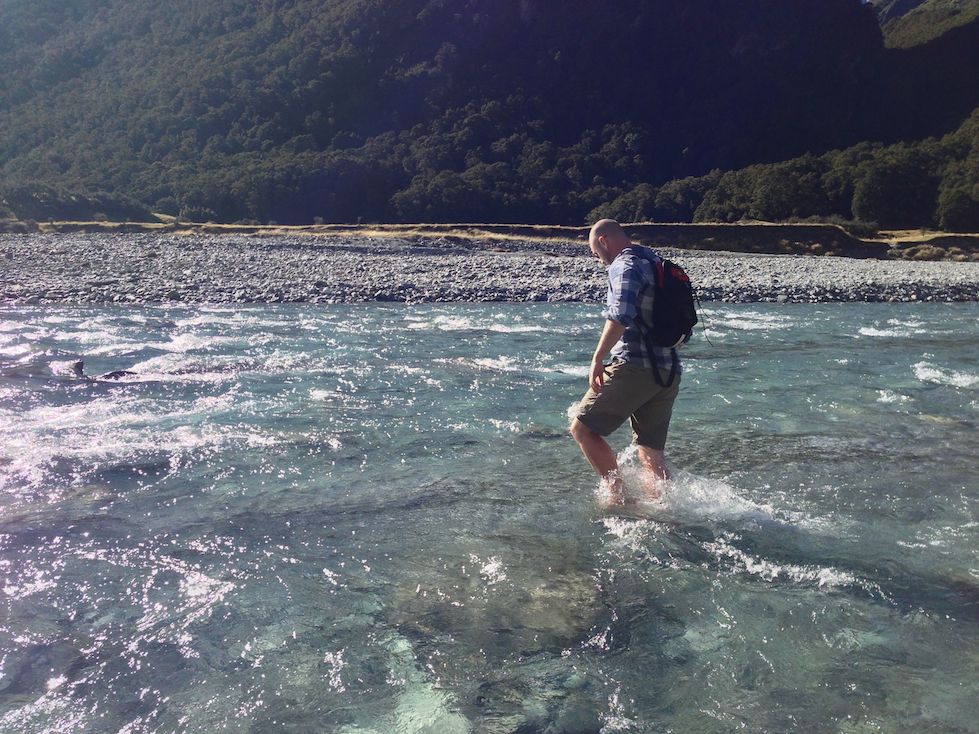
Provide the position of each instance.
(233, 268)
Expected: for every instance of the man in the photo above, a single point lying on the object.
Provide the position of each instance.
(628, 387)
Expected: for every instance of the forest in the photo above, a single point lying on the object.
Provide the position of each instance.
(491, 110)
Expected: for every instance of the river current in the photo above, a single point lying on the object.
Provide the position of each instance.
(370, 518)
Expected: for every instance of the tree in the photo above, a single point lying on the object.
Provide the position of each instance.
(898, 188)
(958, 197)
(637, 205)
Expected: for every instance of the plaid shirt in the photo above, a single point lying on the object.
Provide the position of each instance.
(630, 302)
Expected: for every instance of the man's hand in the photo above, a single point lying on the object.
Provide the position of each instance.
(612, 332)
(596, 377)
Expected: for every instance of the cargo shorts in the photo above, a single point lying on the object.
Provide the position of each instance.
(631, 391)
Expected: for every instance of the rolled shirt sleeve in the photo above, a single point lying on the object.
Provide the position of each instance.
(624, 284)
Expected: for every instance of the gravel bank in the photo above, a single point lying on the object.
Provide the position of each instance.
(151, 268)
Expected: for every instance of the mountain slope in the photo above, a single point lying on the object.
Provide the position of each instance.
(928, 21)
(513, 110)
(888, 10)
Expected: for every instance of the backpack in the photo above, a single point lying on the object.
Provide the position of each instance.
(674, 312)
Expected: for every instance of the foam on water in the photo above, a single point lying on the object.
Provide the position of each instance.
(872, 331)
(6, 340)
(232, 318)
(889, 396)
(461, 323)
(745, 563)
(686, 496)
(568, 369)
(895, 329)
(927, 372)
(740, 321)
(180, 368)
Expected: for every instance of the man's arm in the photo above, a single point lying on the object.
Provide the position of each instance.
(610, 335)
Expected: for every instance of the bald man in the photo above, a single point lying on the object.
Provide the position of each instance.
(627, 387)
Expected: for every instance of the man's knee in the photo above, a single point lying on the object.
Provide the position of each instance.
(580, 431)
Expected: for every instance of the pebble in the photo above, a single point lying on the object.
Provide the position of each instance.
(206, 268)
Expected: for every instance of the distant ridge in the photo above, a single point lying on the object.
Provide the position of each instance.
(928, 20)
(888, 10)
(441, 110)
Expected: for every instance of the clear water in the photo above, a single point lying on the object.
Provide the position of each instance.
(370, 519)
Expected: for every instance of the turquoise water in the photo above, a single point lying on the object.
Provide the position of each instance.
(370, 519)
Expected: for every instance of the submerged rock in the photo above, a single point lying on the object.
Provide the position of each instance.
(540, 612)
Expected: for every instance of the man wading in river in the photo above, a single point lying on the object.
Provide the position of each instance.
(628, 386)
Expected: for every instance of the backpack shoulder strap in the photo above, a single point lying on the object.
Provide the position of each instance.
(656, 261)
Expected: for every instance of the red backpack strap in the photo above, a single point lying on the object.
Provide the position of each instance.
(660, 272)
(680, 274)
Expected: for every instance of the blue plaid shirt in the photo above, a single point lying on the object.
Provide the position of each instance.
(630, 302)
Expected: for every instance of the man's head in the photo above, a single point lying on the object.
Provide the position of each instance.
(607, 239)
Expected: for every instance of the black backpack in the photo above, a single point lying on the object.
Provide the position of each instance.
(674, 312)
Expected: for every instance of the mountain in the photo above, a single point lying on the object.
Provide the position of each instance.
(928, 21)
(439, 110)
(888, 10)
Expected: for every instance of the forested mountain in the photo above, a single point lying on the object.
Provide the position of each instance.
(888, 10)
(927, 21)
(439, 110)
(932, 183)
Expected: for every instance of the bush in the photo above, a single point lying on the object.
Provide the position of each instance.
(197, 214)
(923, 252)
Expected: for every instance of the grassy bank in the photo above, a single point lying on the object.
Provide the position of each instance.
(753, 237)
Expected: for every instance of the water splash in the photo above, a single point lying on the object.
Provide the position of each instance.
(686, 496)
(927, 372)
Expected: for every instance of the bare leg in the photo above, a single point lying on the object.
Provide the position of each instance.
(601, 457)
(655, 464)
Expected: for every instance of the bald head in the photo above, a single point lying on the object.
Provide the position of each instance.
(607, 239)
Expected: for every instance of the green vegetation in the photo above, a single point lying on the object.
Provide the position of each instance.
(888, 10)
(492, 110)
(47, 202)
(928, 21)
(932, 183)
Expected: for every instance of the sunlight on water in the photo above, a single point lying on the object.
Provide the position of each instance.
(371, 519)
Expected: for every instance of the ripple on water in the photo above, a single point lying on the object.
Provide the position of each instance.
(292, 519)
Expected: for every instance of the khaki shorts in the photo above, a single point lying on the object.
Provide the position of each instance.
(631, 392)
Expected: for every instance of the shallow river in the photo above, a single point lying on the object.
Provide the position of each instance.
(370, 519)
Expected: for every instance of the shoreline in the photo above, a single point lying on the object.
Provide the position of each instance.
(152, 268)
(773, 238)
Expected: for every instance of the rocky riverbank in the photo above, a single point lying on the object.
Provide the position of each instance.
(166, 267)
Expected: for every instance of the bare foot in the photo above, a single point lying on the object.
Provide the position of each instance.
(613, 494)
(652, 489)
